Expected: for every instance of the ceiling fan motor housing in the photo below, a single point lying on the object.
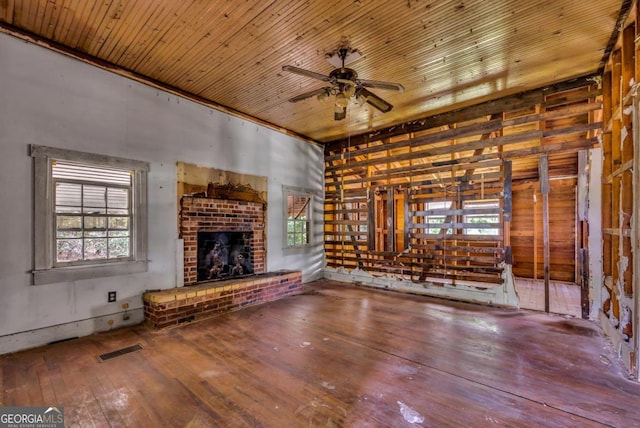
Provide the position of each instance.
(345, 80)
(344, 74)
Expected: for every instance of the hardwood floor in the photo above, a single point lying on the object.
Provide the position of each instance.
(336, 355)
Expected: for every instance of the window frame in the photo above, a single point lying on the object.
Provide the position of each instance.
(46, 271)
(297, 191)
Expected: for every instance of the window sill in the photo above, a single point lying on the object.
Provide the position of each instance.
(75, 273)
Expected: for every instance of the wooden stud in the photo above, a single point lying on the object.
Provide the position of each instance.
(544, 189)
(507, 208)
(390, 220)
(584, 283)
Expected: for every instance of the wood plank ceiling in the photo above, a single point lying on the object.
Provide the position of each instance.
(230, 53)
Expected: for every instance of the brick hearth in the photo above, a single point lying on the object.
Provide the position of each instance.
(181, 305)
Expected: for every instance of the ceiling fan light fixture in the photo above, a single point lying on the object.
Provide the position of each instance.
(323, 96)
(349, 91)
(342, 100)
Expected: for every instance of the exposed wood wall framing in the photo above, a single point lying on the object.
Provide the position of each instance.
(619, 207)
(431, 201)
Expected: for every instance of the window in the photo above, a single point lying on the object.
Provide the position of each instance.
(90, 215)
(298, 217)
(438, 212)
(483, 213)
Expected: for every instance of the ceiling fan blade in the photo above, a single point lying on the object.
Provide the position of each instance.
(374, 100)
(339, 115)
(309, 94)
(389, 86)
(306, 73)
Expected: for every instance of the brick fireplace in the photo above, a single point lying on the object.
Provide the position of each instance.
(239, 221)
(239, 227)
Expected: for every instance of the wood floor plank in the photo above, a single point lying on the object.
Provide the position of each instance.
(539, 362)
(339, 356)
(48, 394)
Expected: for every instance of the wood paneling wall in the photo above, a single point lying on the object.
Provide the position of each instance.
(620, 149)
(406, 200)
(527, 228)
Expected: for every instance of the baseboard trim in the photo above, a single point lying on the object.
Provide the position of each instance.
(42, 336)
(497, 295)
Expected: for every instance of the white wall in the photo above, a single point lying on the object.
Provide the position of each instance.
(50, 99)
(596, 281)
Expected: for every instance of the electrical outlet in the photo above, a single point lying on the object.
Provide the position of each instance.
(111, 296)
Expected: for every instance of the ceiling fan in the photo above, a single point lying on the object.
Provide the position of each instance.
(345, 85)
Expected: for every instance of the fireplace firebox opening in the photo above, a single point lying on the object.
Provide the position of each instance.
(223, 255)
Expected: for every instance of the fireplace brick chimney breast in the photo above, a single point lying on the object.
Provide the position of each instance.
(218, 215)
